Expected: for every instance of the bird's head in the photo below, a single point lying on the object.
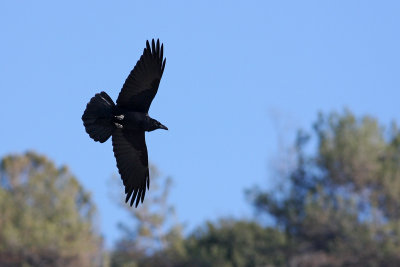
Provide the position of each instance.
(154, 125)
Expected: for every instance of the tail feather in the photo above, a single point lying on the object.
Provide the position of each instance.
(98, 117)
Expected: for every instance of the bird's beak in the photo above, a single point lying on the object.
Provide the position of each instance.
(163, 127)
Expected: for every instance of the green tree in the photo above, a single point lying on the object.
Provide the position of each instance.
(231, 243)
(46, 216)
(340, 205)
(227, 243)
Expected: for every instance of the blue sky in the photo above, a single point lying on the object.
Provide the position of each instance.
(230, 65)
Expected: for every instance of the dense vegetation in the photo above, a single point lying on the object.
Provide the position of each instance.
(337, 205)
(46, 216)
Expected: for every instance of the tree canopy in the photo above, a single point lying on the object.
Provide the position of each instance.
(340, 205)
(46, 216)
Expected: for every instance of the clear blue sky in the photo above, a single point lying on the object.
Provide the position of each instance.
(229, 63)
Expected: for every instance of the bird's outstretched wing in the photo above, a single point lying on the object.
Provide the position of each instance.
(131, 153)
(142, 83)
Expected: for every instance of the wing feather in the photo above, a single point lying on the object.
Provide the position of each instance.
(141, 86)
(131, 154)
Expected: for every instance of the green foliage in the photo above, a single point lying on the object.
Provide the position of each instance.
(342, 205)
(227, 243)
(46, 216)
(235, 243)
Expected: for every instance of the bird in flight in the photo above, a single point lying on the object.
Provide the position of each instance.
(128, 120)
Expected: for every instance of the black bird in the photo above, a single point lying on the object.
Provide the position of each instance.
(128, 120)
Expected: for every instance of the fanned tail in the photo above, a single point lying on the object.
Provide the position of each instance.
(98, 117)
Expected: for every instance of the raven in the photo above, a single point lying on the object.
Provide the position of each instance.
(128, 120)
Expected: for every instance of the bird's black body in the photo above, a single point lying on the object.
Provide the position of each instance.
(136, 121)
(128, 120)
